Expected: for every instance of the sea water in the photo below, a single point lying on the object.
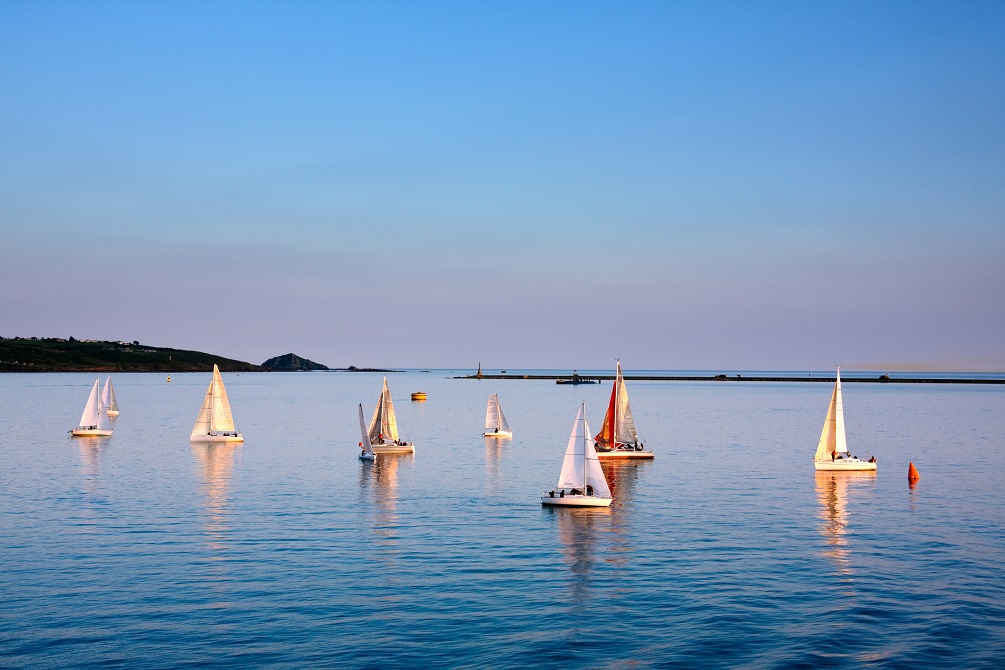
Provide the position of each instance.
(144, 550)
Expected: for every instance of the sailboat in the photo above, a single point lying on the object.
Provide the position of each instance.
(94, 421)
(832, 450)
(366, 453)
(215, 422)
(581, 472)
(495, 421)
(617, 437)
(108, 398)
(383, 430)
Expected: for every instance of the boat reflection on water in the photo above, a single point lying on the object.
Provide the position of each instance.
(579, 530)
(622, 478)
(493, 467)
(217, 462)
(833, 489)
(90, 461)
(379, 492)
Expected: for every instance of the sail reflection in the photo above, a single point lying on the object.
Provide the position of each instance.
(217, 461)
(622, 478)
(90, 461)
(832, 492)
(493, 467)
(379, 492)
(579, 530)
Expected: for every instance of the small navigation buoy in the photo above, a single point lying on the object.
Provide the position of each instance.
(169, 378)
(912, 474)
(419, 395)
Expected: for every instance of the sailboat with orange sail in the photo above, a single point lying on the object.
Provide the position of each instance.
(617, 437)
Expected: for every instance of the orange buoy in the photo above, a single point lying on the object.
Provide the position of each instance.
(912, 473)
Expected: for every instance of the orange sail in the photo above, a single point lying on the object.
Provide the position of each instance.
(606, 436)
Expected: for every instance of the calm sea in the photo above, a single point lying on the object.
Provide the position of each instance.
(142, 550)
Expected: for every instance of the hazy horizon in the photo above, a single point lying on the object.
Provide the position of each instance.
(775, 185)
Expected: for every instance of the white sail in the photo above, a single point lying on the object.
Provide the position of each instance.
(832, 437)
(383, 425)
(204, 423)
(108, 397)
(624, 430)
(95, 416)
(215, 417)
(367, 447)
(223, 419)
(581, 467)
(495, 420)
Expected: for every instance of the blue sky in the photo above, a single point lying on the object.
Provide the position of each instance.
(688, 185)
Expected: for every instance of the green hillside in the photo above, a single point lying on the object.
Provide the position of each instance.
(21, 354)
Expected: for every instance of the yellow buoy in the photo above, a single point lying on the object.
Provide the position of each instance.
(419, 395)
(169, 377)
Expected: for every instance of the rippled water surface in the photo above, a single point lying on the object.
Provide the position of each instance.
(142, 550)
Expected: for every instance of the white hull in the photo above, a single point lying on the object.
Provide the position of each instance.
(217, 438)
(392, 448)
(621, 454)
(89, 432)
(499, 433)
(844, 465)
(575, 501)
(112, 412)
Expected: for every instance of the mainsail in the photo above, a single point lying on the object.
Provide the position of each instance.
(495, 420)
(618, 426)
(383, 426)
(832, 438)
(95, 416)
(108, 396)
(215, 415)
(581, 467)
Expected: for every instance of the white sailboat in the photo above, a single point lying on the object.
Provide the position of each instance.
(581, 472)
(832, 450)
(366, 453)
(617, 437)
(108, 398)
(215, 422)
(383, 430)
(94, 421)
(495, 421)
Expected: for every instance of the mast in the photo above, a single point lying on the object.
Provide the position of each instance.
(617, 402)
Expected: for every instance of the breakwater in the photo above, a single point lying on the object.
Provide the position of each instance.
(878, 379)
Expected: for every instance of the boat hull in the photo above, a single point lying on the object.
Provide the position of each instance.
(391, 448)
(499, 433)
(622, 454)
(113, 412)
(367, 457)
(575, 501)
(844, 465)
(216, 438)
(90, 432)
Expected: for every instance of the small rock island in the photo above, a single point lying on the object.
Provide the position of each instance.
(292, 363)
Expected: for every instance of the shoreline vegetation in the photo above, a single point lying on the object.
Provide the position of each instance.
(58, 355)
(54, 354)
(31, 354)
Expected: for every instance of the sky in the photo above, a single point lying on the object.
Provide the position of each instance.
(547, 184)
